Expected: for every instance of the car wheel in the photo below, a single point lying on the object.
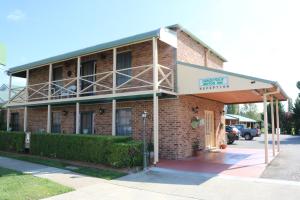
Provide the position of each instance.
(230, 141)
(248, 136)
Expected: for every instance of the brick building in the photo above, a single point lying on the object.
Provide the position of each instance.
(104, 89)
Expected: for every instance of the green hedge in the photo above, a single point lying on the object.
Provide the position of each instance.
(12, 141)
(126, 154)
(87, 148)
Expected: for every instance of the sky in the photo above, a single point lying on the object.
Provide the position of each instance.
(258, 38)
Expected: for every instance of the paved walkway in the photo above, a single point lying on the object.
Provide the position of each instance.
(160, 184)
(61, 176)
(244, 162)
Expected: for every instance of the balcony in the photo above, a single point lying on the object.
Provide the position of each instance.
(129, 81)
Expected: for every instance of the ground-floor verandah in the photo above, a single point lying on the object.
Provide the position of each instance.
(231, 161)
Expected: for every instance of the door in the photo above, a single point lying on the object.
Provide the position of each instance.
(87, 71)
(123, 64)
(210, 136)
(123, 122)
(57, 76)
(14, 121)
(56, 122)
(86, 124)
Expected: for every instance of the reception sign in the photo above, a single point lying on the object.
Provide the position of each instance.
(213, 83)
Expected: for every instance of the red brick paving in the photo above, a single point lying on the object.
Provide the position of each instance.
(234, 162)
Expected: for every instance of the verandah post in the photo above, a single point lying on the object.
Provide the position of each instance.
(155, 100)
(266, 129)
(8, 109)
(114, 103)
(77, 115)
(273, 125)
(277, 126)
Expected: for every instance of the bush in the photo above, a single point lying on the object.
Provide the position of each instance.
(12, 141)
(87, 148)
(126, 154)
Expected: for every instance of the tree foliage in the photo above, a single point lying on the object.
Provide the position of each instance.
(250, 110)
(296, 115)
(233, 109)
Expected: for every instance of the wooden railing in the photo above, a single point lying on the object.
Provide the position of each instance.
(132, 79)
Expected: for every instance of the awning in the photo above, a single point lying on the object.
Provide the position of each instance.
(223, 86)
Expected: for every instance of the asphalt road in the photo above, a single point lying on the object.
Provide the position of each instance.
(286, 166)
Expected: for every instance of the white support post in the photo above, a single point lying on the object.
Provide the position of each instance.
(155, 128)
(25, 126)
(273, 125)
(78, 77)
(114, 70)
(8, 119)
(277, 126)
(114, 103)
(155, 100)
(50, 82)
(8, 109)
(77, 118)
(49, 119)
(266, 129)
(155, 64)
(113, 123)
(25, 119)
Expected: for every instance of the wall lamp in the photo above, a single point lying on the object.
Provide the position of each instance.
(101, 111)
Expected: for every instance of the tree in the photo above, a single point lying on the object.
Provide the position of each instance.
(250, 110)
(296, 114)
(285, 118)
(233, 109)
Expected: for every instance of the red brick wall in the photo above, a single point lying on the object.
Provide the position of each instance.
(190, 51)
(175, 133)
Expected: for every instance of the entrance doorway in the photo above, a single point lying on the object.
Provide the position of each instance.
(210, 137)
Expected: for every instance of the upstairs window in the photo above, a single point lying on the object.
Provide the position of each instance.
(124, 65)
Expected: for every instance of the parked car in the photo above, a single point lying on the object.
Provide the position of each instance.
(247, 133)
(232, 134)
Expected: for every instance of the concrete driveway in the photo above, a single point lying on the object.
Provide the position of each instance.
(161, 184)
(286, 166)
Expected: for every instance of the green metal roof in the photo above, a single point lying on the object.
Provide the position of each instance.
(240, 118)
(88, 50)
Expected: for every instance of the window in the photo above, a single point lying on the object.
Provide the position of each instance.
(123, 62)
(86, 125)
(14, 120)
(57, 76)
(56, 122)
(123, 122)
(88, 71)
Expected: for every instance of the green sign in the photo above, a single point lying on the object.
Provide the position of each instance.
(2, 54)
(213, 83)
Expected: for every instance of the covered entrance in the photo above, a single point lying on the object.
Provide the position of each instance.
(229, 88)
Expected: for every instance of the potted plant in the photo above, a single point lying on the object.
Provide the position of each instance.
(195, 147)
(223, 145)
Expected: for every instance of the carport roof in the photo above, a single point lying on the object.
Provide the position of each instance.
(239, 117)
(241, 88)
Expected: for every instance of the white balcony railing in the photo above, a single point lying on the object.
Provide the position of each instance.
(132, 79)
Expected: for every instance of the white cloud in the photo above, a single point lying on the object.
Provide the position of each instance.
(16, 15)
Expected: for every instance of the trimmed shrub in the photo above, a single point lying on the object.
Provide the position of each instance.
(87, 148)
(126, 154)
(12, 141)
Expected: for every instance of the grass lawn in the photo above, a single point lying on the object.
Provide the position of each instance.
(95, 172)
(17, 186)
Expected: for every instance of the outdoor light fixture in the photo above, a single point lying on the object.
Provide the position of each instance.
(195, 109)
(101, 111)
(65, 112)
